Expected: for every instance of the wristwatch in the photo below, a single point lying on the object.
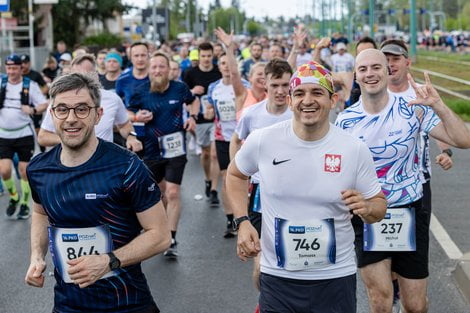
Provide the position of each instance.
(448, 152)
(114, 262)
(238, 221)
(132, 133)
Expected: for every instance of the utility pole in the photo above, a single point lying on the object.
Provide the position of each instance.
(154, 21)
(31, 34)
(350, 17)
(371, 18)
(413, 30)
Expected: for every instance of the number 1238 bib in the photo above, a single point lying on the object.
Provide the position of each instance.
(302, 245)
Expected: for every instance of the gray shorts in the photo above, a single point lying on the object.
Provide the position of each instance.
(204, 134)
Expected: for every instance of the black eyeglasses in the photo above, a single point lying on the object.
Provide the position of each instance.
(81, 111)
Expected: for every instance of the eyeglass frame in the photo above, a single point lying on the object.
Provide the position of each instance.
(74, 112)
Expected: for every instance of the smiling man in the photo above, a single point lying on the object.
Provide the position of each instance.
(390, 125)
(100, 207)
(313, 177)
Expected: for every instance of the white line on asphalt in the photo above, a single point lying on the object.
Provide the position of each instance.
(450, 248)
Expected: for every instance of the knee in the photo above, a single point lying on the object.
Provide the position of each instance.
(415, 306)
(172, 194)
(205, 154)
(380, 294)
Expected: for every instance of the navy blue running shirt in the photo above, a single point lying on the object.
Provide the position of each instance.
(110, 189)
(167, 109)
(127, 84)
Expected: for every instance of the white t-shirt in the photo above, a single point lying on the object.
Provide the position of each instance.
(392, 136)
(256, 117)
(13, 122)
(424, 156)
(303, 180)
(342, 63)
(114, 113)
(302, 59)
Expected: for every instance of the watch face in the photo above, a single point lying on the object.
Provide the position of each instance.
(114, 264)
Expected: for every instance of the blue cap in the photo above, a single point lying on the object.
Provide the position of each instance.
(114, 55)
(13, 59)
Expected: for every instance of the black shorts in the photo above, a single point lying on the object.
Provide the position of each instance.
(255, 217)
(223, 153)
(411, 265)
(169, 169)
(284, 295)
(37, 118)
(23, 146)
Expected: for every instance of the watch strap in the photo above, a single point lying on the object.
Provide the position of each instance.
(114, 262)
(239, 220)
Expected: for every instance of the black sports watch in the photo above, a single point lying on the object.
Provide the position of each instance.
(114, 262)
(238, 221)
(132, 133)
(448, 152)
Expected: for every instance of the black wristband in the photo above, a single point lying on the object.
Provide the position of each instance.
(448, 152)
(194, 116)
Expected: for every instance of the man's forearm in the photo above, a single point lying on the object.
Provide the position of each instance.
(144, 246)
(125, 129)
(454, 126)
(39, 237)
(47, 138)
(378, 206)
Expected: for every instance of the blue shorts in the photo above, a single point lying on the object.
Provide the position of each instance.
(284, 295)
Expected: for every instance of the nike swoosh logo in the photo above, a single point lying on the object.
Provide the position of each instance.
(279, 162)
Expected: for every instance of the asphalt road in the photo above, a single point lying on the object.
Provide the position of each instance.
(208, 277)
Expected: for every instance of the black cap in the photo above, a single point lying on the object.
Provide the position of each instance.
(13, 59)
(25, 58)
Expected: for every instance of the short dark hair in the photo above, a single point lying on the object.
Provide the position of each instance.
(84, 57)
(277, 67)
(205, 46)
(366, 40)
(255, 43)
(397, 42)
(139, 43)
(77, 81)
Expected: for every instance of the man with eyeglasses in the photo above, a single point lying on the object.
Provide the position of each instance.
(98, 208)
(115, 113)
(19, 99)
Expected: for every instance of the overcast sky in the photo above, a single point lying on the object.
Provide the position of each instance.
(256, 8)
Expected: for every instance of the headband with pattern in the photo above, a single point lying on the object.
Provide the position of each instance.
(313, 73)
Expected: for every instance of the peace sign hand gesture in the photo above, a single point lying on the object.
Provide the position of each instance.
(299, 35)
(223, 37)
(426, 94)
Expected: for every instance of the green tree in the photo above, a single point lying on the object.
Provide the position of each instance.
(72, 17)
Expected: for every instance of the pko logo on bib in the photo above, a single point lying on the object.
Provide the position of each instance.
(296, 229)
(69, 237)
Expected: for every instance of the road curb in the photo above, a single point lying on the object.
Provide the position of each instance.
(462, 275)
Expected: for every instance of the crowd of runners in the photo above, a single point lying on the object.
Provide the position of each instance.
(311, 199)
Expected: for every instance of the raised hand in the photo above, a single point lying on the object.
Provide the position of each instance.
(299, 35)
(426, 94)
(223, 37)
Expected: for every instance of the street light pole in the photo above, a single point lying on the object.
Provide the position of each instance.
(413, 30)
(154, 21)
(350, 32)
(371, 18)
(31, 34)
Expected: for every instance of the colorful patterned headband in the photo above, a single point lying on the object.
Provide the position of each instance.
(313, 73)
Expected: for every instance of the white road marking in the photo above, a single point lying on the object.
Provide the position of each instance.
(449, 247)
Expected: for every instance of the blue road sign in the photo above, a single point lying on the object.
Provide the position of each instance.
(4, 5)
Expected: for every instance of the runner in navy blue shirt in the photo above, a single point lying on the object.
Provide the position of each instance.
(160, 107)
(93, 198)
(132, 79)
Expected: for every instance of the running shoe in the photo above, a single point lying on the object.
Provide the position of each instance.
(208, 188)
(172, 252)
(24, 212)
(229, 231)
(214, 200)
(11, 209)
